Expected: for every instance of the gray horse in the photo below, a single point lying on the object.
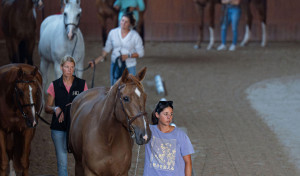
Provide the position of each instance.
(60, 36)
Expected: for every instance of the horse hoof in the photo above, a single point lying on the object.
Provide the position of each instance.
(243, 44)
(196, 47)
(209, 47)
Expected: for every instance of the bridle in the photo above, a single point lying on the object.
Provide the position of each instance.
(67, 24)
(17, 100)
(130, 119)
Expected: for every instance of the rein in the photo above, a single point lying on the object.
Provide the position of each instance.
(17, 99)
(73, 50)
(129, 120)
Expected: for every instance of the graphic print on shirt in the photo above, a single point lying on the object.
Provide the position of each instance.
(163, 154)
(75, 93)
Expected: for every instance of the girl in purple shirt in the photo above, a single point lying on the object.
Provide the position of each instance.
(168, 153)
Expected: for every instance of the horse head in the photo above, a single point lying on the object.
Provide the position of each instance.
(38, 3)
(132, 100)
(28, 96)
(72, 13)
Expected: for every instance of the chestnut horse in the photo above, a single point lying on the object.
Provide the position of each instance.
(19, 29)
(260, 5)
(102, 125)
(20, 104)
(106, 12)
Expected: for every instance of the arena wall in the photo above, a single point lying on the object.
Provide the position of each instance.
(177, 20)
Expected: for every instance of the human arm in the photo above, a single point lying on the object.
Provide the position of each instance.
(141, 5)
(85, 87)
(117, 4)
(108, 47)
(50, 108)
(131, 55)
(188, 165)
(98, 59)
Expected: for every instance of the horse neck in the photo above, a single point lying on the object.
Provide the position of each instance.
(24, 5)
(108, 115)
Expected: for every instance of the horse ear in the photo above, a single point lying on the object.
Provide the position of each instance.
(34, 72)
(20, 73)
(125, 75)
(141, 75)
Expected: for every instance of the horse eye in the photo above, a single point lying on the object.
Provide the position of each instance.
(21, 93)
(65, 14)
(126, 99)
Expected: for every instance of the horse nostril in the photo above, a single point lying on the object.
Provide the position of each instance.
(145, 137)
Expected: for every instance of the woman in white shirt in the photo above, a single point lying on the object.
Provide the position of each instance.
(125, 41)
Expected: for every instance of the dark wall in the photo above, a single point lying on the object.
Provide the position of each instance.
(177, 20)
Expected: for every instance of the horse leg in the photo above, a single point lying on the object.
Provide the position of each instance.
(3, 154)
(103, 29)
(79, 67)
(9, 46)
(200, 10)
(262, 10)
(16, 54)
(211, 24)
(9, 149)
(57, 70)
(24, 160)
(44, 65)
(29, 50)
(78, 169)
(140, 26)
(13, 50)
(246, 8)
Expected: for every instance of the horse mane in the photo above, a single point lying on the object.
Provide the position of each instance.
(7, 2)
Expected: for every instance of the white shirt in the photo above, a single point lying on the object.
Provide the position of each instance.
(132, 43)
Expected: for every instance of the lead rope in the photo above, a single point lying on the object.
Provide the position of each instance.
(137, 160)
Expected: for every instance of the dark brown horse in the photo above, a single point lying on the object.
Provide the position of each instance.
(102, 125)
(20, 104)
(107, 13)
(19, 28)
(260, 5)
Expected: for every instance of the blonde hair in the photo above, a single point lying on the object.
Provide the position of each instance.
(67, 58)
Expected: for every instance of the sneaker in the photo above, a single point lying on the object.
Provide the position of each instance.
(232, 47)
(221, 47)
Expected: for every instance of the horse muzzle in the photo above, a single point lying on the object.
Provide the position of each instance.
(71, 31)
(31, 124)
(142, 137)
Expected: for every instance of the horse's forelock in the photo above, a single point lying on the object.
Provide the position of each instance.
(134, 80)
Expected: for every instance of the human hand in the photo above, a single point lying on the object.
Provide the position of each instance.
(91, 63)
(117, 7)
(124, 57)
(131, 9)
(61, 116)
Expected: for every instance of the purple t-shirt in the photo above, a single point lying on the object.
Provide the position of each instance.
(164, 153)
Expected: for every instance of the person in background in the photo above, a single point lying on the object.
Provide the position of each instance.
(61, 93)
(123, 41)
(168, 153)
(125, 6)
(232, 13)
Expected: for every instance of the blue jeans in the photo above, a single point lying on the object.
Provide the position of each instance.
(233, 14)
(131, 70)
(59, 139)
